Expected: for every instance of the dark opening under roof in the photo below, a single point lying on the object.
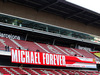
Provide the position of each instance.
(64, 9)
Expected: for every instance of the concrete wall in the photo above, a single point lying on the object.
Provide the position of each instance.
(29, 13)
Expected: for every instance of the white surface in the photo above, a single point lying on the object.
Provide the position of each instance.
(5, 53)
(93, 5)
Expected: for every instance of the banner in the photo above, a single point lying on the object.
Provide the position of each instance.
(39, 58)
(96, 53)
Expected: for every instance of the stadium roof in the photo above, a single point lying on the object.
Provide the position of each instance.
(64, 9)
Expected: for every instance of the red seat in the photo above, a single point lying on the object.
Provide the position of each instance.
(39, 71)
(33, 46)
(3, 71)
(20, 71)
(9, 69)
(62, 72)
(42, 71)
(8, 42)
(30, 71)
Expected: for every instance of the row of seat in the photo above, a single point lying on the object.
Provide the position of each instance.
(42, 71)
(33, 46)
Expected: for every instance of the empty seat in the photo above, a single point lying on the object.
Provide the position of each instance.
(30, 71)
(20, 71)
(62, 72)
(43, 71)
(10, 69)
(8, 42)
(3, 71)
(33, 46)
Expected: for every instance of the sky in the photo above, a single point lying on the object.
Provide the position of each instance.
(93, 5)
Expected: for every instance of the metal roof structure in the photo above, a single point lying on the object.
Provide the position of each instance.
(64, 9)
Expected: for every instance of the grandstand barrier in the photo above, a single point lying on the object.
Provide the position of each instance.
(33, 46)
(6, 70)
(97, 54)
(46, 48)
(48, 59)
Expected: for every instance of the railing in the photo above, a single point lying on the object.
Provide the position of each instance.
(46, 27)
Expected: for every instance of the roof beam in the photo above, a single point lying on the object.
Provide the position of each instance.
(58, 10)
(46, 6)
(33, 2)
(61, 7)
(80, 19)
(53, 13)
(92, 21)
(5, 0)
(21, 3)
(73, 14)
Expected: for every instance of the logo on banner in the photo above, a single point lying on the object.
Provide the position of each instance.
(10, 36)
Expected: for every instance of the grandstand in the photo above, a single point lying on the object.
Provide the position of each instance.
(48, 37)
